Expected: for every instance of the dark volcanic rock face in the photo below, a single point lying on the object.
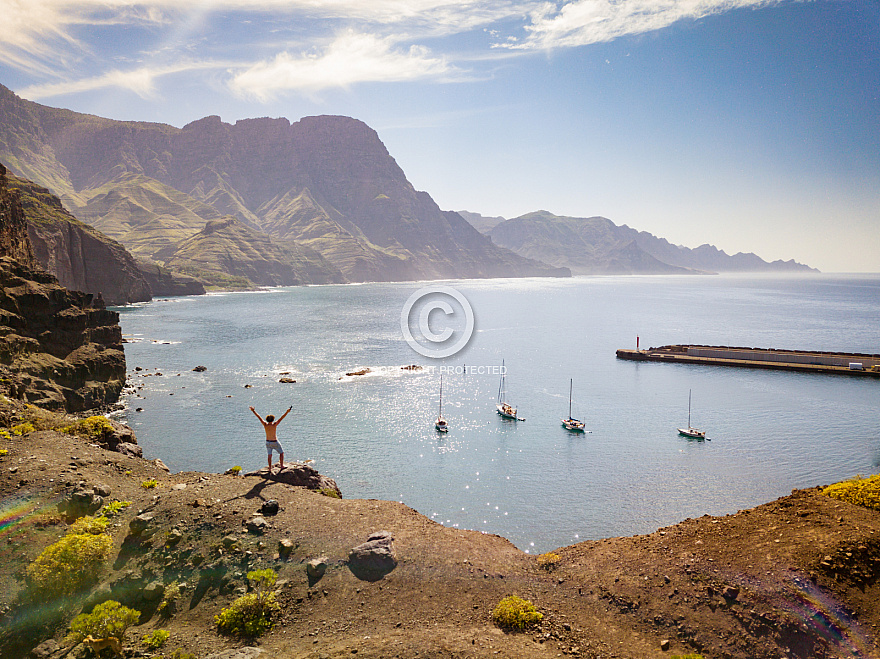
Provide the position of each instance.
(14, 241)
(57, 351)
(82, 258)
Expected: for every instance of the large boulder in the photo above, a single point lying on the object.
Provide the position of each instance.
(373, 559)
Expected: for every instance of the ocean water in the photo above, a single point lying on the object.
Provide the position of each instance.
(531, 482)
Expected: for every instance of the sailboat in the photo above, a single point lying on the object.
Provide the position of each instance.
(690, 431)
(504, 408)
(440, 424)
(570, 423)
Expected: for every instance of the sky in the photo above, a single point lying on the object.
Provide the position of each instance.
(752, 125)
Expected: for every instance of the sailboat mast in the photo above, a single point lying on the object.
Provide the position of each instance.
(570, 387)
(689, 408)
(440, 412)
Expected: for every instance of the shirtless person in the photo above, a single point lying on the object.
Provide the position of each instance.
(272, 443)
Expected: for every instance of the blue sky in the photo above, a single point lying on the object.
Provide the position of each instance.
(753, 125)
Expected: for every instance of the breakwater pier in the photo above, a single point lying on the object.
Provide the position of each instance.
(839, 363)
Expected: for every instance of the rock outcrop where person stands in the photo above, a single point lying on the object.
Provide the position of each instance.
(300, 475)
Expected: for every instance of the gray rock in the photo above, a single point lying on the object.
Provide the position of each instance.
(82, 501)
(730, 592)
(139, 524)
(373, 559)
(229, 541)
(256, 525)
(153, 591)
(285, 546)
(161, 465)
(132, 450)
(316, 567)
(174, 536)
(102, 490)
(45, 649)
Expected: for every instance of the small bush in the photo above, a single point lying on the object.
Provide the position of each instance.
(89, 526)
(3, 452)
(22, 429)
(548, 561)
(155, 640)
(251, 615)
(108, 619)
(169, 599)
(234, 471)
(150, 483)
(330, 492)
(180, 653)
(69, 565)
(860, 491)
(113, 508)
(94, 427)
(515, 614)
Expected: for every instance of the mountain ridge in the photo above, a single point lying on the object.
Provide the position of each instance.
(326, 182)
(595, 245)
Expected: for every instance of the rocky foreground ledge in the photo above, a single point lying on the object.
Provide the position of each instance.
(796, 577)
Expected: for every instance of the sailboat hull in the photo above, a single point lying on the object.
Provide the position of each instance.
(507, 411)
(573, 425)
(692, 432)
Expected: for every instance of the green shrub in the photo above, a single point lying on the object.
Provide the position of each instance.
(180, 653)
(69, 565)
(22, 429)
(155, 640)
(89, 526)
(150, 483)
(515, 614)
(251, 615)
(860, 491)
(548, 561)
(108, 619)
(3, 452)
(235, 471)
(169, 598)
(94, 427)
(330, 492)
(113, 508)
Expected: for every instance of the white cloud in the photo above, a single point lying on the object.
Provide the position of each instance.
(141, 81)
(352, 58)
(584, 22)
(54, 40)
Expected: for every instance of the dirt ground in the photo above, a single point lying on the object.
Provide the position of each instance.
(796, 577)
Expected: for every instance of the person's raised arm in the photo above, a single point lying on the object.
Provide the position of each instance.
(257, 415)
(284, 415)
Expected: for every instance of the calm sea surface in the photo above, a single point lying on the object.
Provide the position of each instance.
(531, 481)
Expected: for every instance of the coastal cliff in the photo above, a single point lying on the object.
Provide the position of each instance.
(61, 350)
(80, 257)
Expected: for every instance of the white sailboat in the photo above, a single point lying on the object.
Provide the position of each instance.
(440, 424)
(504, 408)
(690, 431)
(570, 423)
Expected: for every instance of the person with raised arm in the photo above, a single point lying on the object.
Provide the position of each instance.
(272, 443)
